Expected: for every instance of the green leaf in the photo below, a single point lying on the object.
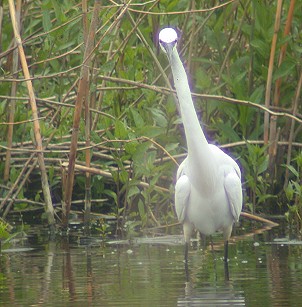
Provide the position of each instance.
(261, 46)
(120, 131)
(159, 117)
(203, 79)
(130, 147)
(293, 170)
(285, 69)
(123, 176)
(58, 8)
(141, 209)
(46, 21)
(298, 188)
(133, 190)
(111, 194)
(138, 120)
(289, 191)
(263, 165)
(108, 66)
(258, 94)
(228, 132)
(150, 131)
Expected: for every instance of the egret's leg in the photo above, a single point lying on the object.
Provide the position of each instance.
(212, 243)
(203, 240)
(226, 264)
(186, 251)
(226, 251)
(187, 227)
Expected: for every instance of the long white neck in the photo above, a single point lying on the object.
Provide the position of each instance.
(199, 154)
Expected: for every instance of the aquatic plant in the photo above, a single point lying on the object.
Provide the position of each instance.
(293, 192)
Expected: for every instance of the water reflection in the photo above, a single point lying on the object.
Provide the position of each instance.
(207, 294)
(221, 294)
(263, 271)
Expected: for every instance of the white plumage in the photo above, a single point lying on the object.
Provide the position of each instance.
(208, 192)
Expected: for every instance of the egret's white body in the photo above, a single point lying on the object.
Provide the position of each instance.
(208, 192)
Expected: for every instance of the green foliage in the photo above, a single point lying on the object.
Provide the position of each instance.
(293, 192)
(255, 164)
(226, 53)
(7, 235)
(104, 229)
(4, 233)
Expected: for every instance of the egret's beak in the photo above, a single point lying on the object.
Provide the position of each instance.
(168, 48)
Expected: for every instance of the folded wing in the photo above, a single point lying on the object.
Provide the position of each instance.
(232, 186)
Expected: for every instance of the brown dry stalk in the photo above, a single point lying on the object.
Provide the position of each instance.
(81, 98)
(274, 132)
(77, 114)
(283, 49)
(87, 113)
(292, 129)
(12, 103)
(270, 71)
(33, 104)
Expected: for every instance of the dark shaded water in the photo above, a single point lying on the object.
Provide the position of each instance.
(264, 271)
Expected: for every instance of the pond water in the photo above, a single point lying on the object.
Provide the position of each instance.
(265, 269)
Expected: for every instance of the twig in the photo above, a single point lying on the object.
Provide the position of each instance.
(258, 218)
(182, 12)
(97, 171)
(165, 90)
(12, 123)
(16, 183)
(32, 99)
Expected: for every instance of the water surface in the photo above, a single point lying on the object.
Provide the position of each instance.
(265, 270)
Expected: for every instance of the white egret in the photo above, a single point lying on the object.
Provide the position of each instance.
(208, 192)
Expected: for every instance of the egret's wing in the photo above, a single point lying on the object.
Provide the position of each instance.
(182, 194)
(181, 168)
(232, 186)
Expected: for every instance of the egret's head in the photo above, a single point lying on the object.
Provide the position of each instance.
(167, 40)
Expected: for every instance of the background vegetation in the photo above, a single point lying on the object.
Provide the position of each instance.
(89, 120)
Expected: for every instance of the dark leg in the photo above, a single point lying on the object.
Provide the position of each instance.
(226, 251)
(186, 261)
(212, 248)
(186, 252)
(226, 264)
(203, 240)
(212, 243)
